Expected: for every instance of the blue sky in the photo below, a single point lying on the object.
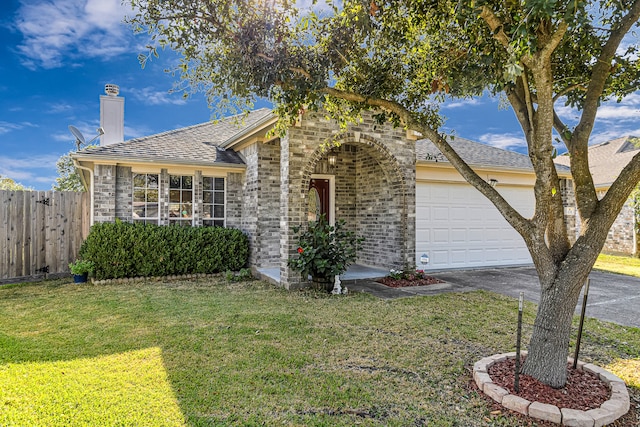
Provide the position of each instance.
(57, 55)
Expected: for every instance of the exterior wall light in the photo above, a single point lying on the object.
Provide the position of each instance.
(332, 160)
(493, 182)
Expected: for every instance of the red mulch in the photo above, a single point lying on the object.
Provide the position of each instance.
(401, 283)
(583, 390)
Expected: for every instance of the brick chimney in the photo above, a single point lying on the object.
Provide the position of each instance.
(111, 115)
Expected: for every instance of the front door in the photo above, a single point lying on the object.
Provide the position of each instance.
(319, 199)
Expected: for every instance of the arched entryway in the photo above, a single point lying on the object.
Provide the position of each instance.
(367, 191)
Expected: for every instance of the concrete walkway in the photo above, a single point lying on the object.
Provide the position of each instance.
(612, 297)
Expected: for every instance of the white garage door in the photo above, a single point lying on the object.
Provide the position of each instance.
(456, 226)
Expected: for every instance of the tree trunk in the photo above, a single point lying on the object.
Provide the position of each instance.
(549, 345)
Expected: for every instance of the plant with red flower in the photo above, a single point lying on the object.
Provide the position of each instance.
(325, 250)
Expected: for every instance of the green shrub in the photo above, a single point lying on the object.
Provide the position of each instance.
(123, 249)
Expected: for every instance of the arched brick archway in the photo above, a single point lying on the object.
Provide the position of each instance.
(374, 188)
(370, 196)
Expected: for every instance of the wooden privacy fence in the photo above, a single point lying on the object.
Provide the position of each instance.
(40, 232)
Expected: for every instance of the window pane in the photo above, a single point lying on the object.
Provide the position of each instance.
(206, 211)
(152, 210)
(219, 198)
(152, 180)
(138, 195)
(207, 197)
(218, 211)
(138, 211)
(138, 180)
(152, 195)
(187, 196)
(219, 184)
(174, 196)
(174, 210)
(187, 182)
(218, 223)
(174, 181)
(186, 210)
(207, 183)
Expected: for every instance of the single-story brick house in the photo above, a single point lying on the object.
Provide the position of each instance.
(390, 187)
(606, 161)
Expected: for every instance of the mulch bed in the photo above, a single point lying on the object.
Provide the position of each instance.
(583, 390)
(402, 283)
(505, 380)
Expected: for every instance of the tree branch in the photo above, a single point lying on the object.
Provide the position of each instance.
(568, 89)
(554, 41)
(495, 25)
(561, 128)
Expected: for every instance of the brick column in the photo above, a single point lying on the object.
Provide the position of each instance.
(104, 193)
(290, 211)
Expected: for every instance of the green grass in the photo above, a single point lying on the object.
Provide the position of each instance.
(209, 353)
(618, 264)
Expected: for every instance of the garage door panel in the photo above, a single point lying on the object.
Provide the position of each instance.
(458, 227)
(458, 214)
(458, 257)
(440, 235)
(439, 258)
(440, 213)
(458, 235)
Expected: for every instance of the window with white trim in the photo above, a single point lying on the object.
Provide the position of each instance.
(181, 200)
(213, 198)
(145, 198)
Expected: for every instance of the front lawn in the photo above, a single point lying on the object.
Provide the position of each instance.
(618, 264)
(207, 352)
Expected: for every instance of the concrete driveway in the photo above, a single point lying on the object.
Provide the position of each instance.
(612, 297)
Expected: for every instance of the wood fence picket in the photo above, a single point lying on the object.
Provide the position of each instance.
(40, 233)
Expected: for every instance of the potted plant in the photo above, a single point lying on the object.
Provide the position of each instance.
(325, 251)
(80, 270)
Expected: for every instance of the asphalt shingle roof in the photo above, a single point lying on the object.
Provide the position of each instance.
(607, 160)
(474, 154)
(201, 144)
(194, 144)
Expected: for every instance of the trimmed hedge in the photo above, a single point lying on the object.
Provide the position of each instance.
(123, 249)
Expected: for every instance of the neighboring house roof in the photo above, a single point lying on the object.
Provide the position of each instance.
(197, 144)
(474, 154)
(607, 160)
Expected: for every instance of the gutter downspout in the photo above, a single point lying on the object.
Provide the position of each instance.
(78, 166)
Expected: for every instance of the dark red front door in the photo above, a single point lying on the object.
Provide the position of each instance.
(319, 189)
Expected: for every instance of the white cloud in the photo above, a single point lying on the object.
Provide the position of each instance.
(610, 112)
(32, 169)
(613, 119)
(150, 96)
(461, 103)
(56, 32)
(59, 107)
(6, 127)
(507, 141)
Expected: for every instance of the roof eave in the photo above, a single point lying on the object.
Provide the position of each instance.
(267, 121)
(156, 160)
(529, 170)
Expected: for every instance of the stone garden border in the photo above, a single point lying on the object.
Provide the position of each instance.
(608, 412)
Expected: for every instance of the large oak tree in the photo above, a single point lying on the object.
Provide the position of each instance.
(403, 58)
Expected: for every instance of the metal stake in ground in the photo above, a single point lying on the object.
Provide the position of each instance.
(584, 308)
(516, 385)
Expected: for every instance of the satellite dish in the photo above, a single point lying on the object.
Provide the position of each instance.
(79, 136)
